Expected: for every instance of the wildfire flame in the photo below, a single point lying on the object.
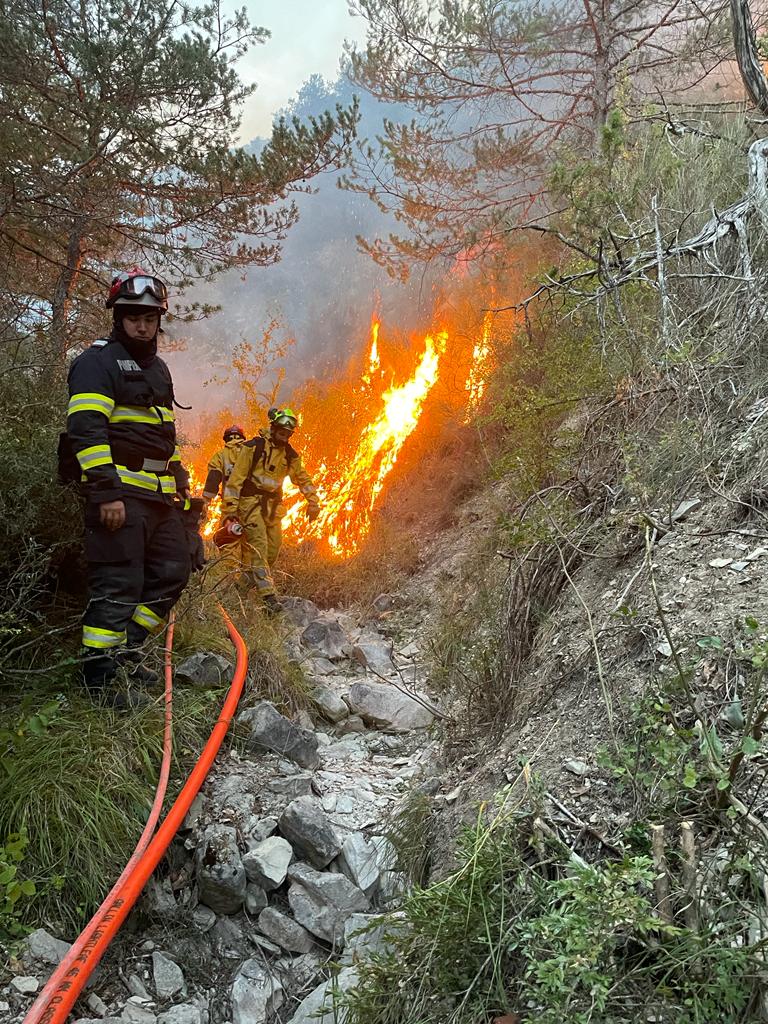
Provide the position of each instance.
(349, 500)
(383, 414)
(208, 528)
(373, 354)
(476, 379)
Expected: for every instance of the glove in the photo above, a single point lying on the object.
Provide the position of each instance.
(313, 511)
(190, 517)
(196, 551)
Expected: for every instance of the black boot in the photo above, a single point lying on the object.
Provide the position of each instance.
(133, 663)
(272, 606)
(99, 670)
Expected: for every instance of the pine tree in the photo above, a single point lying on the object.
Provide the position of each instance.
(119, 144)
(497, 87)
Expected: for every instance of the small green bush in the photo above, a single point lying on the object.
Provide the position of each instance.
(15, 889)
(522, 928)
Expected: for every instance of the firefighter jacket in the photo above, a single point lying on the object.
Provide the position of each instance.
(120, 424)
(260, 470)
(220, 467)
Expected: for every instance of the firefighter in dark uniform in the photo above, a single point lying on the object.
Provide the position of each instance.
(120, 424)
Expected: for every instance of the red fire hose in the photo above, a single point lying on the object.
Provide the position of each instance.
(57, 998)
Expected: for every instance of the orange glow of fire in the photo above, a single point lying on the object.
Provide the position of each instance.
(373, 355)
(355, 431)
(476, 378)
(348, 498)
(211, 521)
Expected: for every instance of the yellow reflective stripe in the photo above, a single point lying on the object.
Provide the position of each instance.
(145, 617)
(97, 455)
(148, 481)
(134, 414)
(90, 401)
(176, 457)
(267, 482)
(142, 414)
(102, 638)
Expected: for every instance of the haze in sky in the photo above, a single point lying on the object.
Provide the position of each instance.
(307, 38)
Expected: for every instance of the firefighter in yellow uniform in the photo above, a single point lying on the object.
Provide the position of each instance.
(219, 471)
(253, 497)
(223, 462)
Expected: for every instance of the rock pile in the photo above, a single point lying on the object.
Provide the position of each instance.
(281, 864)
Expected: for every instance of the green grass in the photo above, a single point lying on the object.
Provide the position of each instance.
(79, 779)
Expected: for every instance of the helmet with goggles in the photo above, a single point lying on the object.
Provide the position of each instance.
(137, 288)
(283, 418)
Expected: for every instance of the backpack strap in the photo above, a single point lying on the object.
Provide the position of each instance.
(256, 445)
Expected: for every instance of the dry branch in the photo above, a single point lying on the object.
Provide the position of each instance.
(661, 880)
(613, 274)
(688, 851)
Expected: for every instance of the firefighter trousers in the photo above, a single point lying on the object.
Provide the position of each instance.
(135, 576)
(263, 536)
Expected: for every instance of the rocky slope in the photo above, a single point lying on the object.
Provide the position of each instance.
(277, 883)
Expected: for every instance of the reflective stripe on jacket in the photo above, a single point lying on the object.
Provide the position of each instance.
(120, 423)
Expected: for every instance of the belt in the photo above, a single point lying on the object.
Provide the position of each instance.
(137, 464)
(250, 490)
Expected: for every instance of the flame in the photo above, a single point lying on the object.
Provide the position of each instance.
(373, 355)
(211, 522)
(349, 499)
(476, 379)
(353, 428)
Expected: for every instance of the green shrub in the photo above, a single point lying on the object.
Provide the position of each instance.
(521, 927)
(15, 889)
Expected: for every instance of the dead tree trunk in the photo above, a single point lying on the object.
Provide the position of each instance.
(748, 59)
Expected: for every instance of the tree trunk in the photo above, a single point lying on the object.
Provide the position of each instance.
(751, 69)
(65, 285)
(599, 22)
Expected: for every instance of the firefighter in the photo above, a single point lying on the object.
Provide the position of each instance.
(223, 462)
(120, 426)
(219, 469)
(253, 497)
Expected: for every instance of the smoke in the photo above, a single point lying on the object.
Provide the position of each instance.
(322, 292)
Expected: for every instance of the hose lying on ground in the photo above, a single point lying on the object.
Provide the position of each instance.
(57, 998)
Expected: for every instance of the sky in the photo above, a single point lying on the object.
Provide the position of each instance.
(307, 38)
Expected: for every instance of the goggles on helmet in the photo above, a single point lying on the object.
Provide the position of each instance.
(128, 287)
(284, 418)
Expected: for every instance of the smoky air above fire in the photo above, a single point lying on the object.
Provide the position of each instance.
(322, 292)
